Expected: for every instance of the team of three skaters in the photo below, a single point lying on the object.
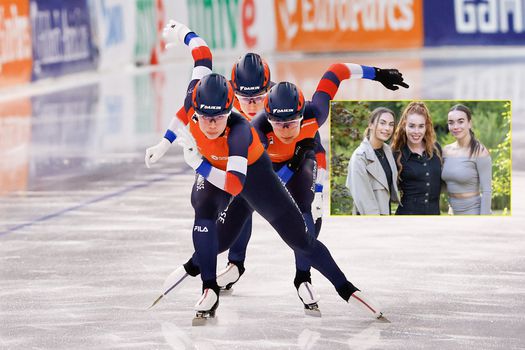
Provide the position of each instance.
(264, 156)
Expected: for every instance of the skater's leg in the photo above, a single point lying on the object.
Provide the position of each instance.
(237, 253)
(284, 215)
(237, 216)
(277, 206)
(229, 223)
(301, 187)
(208, 201)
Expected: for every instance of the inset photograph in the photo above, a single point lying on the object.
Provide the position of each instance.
(420, 157)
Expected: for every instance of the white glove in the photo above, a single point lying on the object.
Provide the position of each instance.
(191, 153)
(317, 206)
(153, 154)
(174, 33)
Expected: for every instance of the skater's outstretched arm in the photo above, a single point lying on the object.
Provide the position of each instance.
(177, 33)
(337, 72)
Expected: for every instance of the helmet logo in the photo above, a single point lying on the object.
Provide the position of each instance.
(205, 106)
(282, 110)
(249, 88)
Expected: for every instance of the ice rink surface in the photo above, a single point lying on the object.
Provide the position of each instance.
(88, 234)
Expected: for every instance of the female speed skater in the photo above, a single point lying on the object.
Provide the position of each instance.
(251, 82)
(235, 163)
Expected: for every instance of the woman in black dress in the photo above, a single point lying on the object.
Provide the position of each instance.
(419, 162)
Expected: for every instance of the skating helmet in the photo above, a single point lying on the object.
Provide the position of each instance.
(250, 75)
(284, 102)
(213, 95)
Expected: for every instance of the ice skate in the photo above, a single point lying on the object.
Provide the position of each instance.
(359, 300)
(309, 297)
(229, 276)
(173, 281)
(205, 307)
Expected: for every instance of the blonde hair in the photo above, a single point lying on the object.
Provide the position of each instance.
(399, 140)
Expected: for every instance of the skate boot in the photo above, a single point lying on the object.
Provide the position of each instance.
(176, 278)
(309, 297)
(361, 301)
(230, 275)
(306, 292)
(206, 306)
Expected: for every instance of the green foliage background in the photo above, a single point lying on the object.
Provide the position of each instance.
(491, 124)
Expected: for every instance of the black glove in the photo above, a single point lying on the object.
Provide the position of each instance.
(301, 148)
(390, 78)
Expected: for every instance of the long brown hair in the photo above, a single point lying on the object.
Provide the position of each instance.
(373, 117)
(400, 136)
(475, 147)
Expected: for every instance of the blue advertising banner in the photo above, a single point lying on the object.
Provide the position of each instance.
(474, 22)
(61, 33)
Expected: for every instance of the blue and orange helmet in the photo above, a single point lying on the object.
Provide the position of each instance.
(284, 102)
(250, 75)
(213, 95)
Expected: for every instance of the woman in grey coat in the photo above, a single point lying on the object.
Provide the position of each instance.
(372, 171)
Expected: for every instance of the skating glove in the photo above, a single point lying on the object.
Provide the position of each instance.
(301, 148)
(390, 78)
(317, 205)
(192, 155)
(153, 154)
(174, 33)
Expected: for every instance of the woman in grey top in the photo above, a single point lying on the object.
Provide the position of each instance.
(372, 171)
(467, 168)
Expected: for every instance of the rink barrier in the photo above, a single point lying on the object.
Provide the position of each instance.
(327, 26)
(474, 22)
(51, 38)
(61, 38)
(113, 27)
(15, 43)
(15, 142)
(63, 120)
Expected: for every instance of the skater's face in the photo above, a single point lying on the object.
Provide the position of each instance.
(252, 105)
(458, 124)
(213, 127)
(287, 131)
(384, 127)
(415, 128)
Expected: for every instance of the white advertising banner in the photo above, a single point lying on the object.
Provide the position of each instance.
(115, 26)
(229, 27)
